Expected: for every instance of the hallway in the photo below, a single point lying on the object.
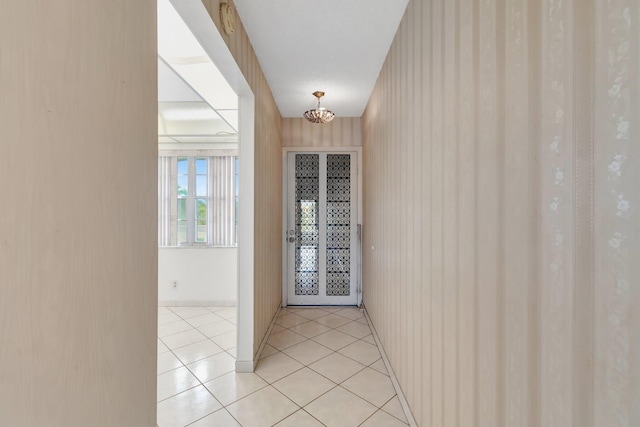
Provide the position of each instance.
(320, 367)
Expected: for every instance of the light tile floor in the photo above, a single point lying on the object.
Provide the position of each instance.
(320, 367)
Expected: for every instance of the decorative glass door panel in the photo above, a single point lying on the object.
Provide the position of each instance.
(307, 200)
(321, 230)
(338, 224)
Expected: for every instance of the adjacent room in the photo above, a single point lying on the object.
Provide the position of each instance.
(198, 198)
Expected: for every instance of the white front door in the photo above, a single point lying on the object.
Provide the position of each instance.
(322, 229)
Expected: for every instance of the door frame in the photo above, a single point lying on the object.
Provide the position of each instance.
(285, 203)
(197, 18)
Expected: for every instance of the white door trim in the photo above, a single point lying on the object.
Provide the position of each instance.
(285, 173)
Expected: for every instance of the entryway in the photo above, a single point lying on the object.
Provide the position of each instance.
(322, 246)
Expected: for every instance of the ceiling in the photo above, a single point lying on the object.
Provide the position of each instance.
(336, 46)
(195, 102)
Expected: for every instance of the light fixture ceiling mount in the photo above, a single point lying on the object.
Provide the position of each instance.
(319, 115)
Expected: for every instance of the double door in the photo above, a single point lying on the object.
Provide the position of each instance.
(322, 229)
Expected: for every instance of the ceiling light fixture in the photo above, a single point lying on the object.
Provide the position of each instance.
(319, 115)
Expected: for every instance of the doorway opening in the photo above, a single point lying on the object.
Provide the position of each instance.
(322, 216)
(206, 202)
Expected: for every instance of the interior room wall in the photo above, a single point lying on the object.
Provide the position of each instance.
(268, 179)
(341, 132)
(78, 230)
(205, 276)
(501, 222)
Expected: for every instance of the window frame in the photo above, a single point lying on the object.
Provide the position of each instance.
(192, 155)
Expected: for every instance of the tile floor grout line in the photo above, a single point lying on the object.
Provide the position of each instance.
(200, 383)
(303, 410)
(328, 314)
(369, 417)
(210, 323)
(250, 394)
(343, 387)
(216, 411)
(346, 333)
(171, 349)
(371, 403)
(318, 397)
(355, 360)
(291, 400)
(237, 400)
(256, 391)
(350, 392)
(187, 330)
(174, 395)
(348, 378)
(315, 336)
(211, 379)
(232, 416)
(197, 342)
(324, 357)
(302, 342)
(386, 403)
(185, 318)
(291, 373)
(319, 373)
(198, 379)
(304, 366)
(311, 415)
(263, 343)
(174, 333)
(403, 401)
(276, 351)
(330, 347)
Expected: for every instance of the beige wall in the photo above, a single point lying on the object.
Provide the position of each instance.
(268, 179)
(501, 224)
(341, 132)
(78, 232)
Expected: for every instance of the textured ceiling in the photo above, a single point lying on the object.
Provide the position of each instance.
(337, 46)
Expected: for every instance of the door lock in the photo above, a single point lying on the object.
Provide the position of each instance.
(292, 239)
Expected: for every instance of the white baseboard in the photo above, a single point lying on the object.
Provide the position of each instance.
(266, 336)
(250, 365)
(199, 303)
(245, 366)
(392, 375)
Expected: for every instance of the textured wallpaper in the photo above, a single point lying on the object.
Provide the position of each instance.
(341, 132)
(78, 223)
(501, 243)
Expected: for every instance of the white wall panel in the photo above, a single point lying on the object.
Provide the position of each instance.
(206, 276)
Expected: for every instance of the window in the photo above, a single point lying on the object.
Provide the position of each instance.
(193, 200)
(197, 200)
